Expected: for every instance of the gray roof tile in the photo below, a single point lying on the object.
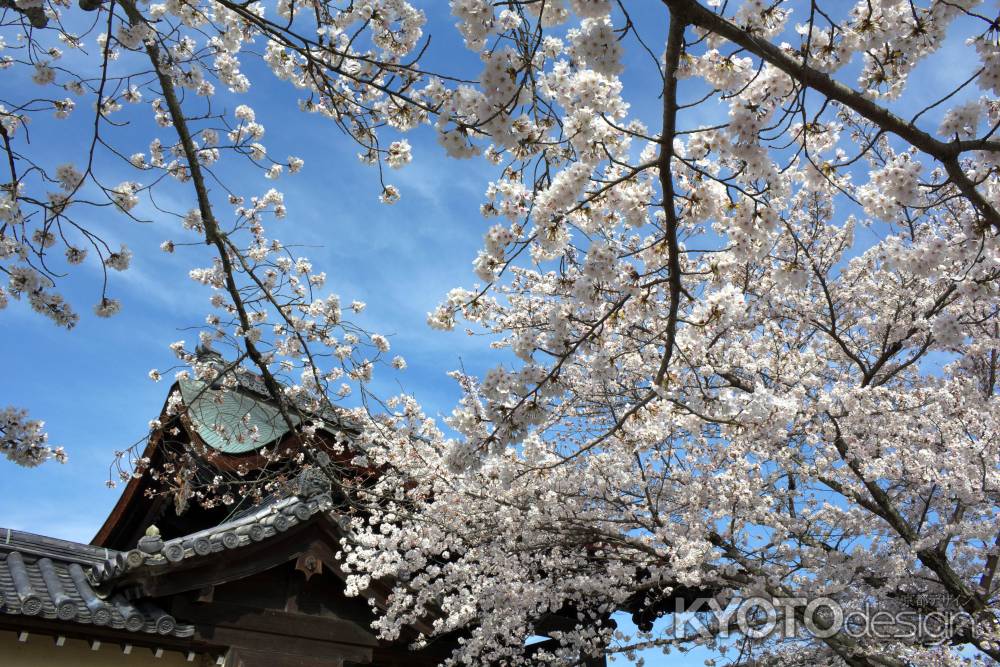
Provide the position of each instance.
(52, 579)
(261, 523)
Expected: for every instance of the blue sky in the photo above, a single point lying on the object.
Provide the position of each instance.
(90, 384)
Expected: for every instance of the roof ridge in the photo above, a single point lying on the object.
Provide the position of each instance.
(268, 520)
(45, 577)
(52, 547)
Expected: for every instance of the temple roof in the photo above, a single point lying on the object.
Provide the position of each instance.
(222, 425)
(232, 421)
(220, 576)
(54, 579)
(153, 555)
(80, 583)
(240, 418)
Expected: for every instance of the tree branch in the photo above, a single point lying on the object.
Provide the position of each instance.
(945, 152)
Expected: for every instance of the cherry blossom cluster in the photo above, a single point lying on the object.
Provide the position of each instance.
(24, 440)
(757, 357)
(749, 342)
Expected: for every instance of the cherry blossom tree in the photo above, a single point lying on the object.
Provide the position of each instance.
(754, 357)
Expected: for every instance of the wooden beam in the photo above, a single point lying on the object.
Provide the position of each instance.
(116, 526)
(309, 563)
(239, 657)
(277, 625)
(307, 651)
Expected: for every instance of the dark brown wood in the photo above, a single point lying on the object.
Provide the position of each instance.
(133, 494)
(275, 602)
(293, 590)
(274, 622)
(206, 594)
(288, 646)
(214, 571)
(309, 563)
(249, 658)
(142, 503)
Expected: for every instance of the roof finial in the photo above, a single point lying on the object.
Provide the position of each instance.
(205, 353)
(151, 542)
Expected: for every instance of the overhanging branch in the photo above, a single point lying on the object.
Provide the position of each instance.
(946, 152)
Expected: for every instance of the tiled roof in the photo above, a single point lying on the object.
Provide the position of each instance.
(53, 579)
(255, 525)
(79, 583)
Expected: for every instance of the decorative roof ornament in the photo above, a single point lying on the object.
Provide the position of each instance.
(206, 354)
(311, 482)
(269, 519)
(151, 543)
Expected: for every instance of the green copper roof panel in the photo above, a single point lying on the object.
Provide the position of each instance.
(231, 421)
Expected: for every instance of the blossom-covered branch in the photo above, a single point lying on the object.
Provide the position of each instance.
(753, 334)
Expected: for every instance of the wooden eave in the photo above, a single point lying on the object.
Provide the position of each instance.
(317, 539)
(135, 511)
